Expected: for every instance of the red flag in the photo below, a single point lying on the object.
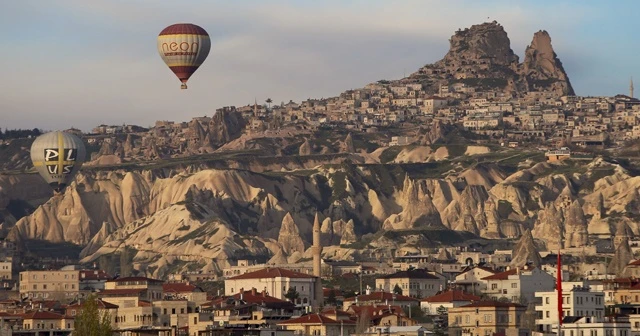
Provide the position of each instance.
(559, 287)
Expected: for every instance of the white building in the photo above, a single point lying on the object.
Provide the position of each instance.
(471, 281)
(577, 301)
(276, 282)
(519, 284)
(596, 326)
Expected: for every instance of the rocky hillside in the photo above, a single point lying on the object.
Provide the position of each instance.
(192, 214)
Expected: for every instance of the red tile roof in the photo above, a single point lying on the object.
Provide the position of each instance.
(635, 263)
(94, 275)
(411, 274)
(180, 287)
(450, 296)
(124, 291)
(327, 291)
(258, 297)
(135, 279)
(504, 275)
(375, 310)
(333, 311)
(143, 303)
(381, 297)
(496, 304)
(271, 272)
(314, 319)
(42, 315)
(101, 304)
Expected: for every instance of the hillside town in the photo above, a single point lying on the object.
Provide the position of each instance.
(452, 291)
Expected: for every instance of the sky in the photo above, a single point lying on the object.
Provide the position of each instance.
(78, 63)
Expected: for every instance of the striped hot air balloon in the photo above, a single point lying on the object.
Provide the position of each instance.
(57, 156)
(184, 47)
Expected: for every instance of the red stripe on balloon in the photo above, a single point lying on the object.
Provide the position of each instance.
(184, 72)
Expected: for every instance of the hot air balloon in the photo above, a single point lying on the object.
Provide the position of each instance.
(183, 47)
(57, 156)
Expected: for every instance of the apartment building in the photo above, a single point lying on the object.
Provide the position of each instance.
(519, 284)
(415, 283)
(577, 301)
(485, 318)
(59, 284)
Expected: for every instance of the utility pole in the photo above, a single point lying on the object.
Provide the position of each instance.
(360, 282)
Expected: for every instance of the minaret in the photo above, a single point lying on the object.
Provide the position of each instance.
(631, 88)
(255, 107)
(317, 248)
(317, 263)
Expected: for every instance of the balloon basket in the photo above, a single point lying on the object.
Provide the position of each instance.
(183, 86)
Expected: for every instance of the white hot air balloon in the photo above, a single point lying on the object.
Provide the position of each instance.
(57, 156)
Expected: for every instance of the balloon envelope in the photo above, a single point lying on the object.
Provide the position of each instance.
(57, 156)
(183, 47)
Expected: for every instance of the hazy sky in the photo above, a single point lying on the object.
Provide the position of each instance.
(81, 63)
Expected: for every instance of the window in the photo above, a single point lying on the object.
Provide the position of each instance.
(44, 286)
(547, 301)
(467, 319)
(494, 286)
(514, 285)
(35, 286)
(547, 314)
(173, 311)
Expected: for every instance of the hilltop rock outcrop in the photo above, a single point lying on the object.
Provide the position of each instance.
(542, 68)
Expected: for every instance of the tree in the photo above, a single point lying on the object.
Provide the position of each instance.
(331, 298)
(292, 295)
(91, 322)
(269, 101)
(397, 290)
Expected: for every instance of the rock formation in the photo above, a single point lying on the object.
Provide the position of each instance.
(548, 226)
(623, 254)
(289, 236)
(417, 209)
(305, 148)
(348, 146)
(525, 252)
(542, 68)
(225, 126)
(483, 54)
(483, 41)
(348, 234)
(575, 226)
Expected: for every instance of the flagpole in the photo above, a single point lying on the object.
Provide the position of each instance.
(559, 290)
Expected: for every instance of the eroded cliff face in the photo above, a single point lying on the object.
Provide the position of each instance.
(270, 215)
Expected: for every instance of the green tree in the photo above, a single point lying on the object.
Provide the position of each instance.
(331, 298)
(91, 322)
(397, 290)
(292, 295)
